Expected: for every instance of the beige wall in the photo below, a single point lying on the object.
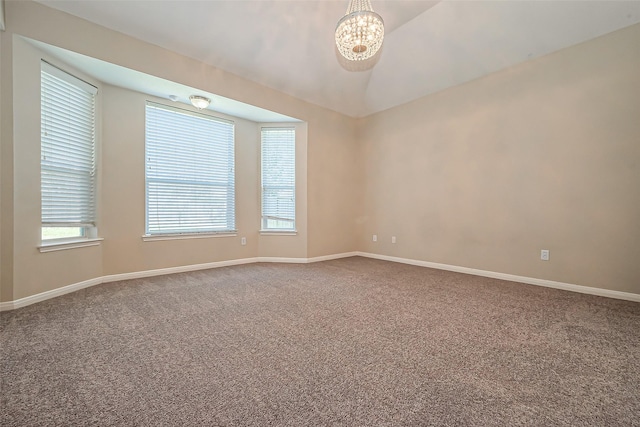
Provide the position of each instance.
(541, 156)
(26, 272)
(545, 155)
(123, 193)
(6, 169)
(37, 272)
(334, 189)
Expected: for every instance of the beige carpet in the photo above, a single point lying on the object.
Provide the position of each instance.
(350, 342)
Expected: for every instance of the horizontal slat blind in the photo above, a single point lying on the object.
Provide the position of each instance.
(190, 176)
(278, 178)
(67, 149)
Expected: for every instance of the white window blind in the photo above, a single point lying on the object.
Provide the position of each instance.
(67, 149)
(190, 175)
(278, 178)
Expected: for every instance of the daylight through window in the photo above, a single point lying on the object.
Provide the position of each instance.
(278, 179)
(68, 167)
(189, 170)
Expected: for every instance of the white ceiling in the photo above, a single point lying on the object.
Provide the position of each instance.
(289, 46)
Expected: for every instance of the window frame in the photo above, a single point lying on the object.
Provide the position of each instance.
(88, 227)
(151, 235)
(264, 229)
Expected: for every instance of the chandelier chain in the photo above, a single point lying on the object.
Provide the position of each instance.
(358, 6)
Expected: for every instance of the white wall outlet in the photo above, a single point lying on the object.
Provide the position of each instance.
(544, 254)
(375, 237)
(243, 241)
(393, 239)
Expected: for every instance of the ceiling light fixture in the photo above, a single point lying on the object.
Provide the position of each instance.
(200, 102)
(360, 32)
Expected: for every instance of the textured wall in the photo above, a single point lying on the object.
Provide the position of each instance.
(541, 156)
(122, 195)
(328, 147)
(545, 155)
(37, 272)
(6, 169)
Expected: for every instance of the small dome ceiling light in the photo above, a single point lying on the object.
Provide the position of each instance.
(200, 102)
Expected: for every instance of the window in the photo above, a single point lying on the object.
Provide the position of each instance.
(190, 177)
(278, 179)
(67, 159)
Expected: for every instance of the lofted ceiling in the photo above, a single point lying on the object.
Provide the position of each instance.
(289, 45)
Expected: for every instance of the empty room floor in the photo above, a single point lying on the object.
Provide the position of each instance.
(353, 341)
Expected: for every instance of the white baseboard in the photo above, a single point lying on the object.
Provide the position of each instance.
(307, 260)
(334, 256)
(22, 302)
(173, 270)
(283, 260)
(32, 299)
(510, 277)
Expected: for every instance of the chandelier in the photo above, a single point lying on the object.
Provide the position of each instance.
(360, 32)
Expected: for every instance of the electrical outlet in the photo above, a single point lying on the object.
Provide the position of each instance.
(375, 237)
(393, 239)
(544, 255)
(243, 241)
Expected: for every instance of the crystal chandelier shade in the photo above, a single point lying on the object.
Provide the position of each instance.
(360, 32)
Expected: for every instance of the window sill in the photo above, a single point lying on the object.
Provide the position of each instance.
(158, 237)
(69, 244)
(278, 232)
